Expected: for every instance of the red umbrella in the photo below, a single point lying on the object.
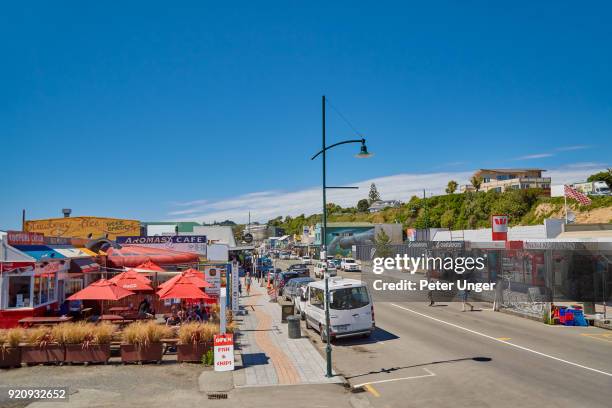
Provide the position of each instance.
(200, 283)
(101, 290)
(131, 274)
(132, 283)
(150, 266)
(183, 288)
(195, 272)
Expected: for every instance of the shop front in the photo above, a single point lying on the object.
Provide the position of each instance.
(29, 277)
(29, 290)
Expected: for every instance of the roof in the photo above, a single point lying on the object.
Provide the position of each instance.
(508, 170)
(222, 234)
(39, 252)
(183, 226)
(71, 252)
(595, 235)
(10, 254)
(519, 233)
(337, 283)
(347, 224)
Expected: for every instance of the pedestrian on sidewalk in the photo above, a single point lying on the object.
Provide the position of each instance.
(247, 282)
(464, 299)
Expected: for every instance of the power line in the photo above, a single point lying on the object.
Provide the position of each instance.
(343, 118)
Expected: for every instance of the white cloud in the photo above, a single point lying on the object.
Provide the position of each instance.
(570, 148)
(534, 156)
(265, 205)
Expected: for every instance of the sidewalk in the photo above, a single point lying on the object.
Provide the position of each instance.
(269, 356)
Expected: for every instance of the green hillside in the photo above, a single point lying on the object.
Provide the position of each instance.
(458, 211)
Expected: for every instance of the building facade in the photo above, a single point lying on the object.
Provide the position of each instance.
(501, 180)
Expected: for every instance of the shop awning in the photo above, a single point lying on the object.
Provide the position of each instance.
(40, 252)
(84, 265)
(71, 252)
(90, 252)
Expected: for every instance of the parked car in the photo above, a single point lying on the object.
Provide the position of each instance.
(290, 291)
(349, 265)
(307, 260)
(282, 278)
(284, 255)
(300, 298)
(320, 267)
(293, 256)
(298, 266)
(351, 308)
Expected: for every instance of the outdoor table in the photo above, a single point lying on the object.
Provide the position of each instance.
(119, 309)
(85, 313)
(43, 320)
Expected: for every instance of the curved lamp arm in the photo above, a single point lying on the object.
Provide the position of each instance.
(362, 141)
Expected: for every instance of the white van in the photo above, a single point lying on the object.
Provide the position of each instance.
(349, 265)
(320, 267)
(351, 310)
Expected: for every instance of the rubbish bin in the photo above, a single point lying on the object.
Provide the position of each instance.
(293, 327)
(286, 309)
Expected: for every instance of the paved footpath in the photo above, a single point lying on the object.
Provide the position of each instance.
(269, 356)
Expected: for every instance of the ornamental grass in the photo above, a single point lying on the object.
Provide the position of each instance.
(144, 333)
(39, 336)
(11, 337)
(83, 333)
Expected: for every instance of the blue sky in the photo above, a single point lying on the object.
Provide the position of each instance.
(157, 110)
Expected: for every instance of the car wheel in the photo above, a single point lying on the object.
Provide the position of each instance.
(308, 327)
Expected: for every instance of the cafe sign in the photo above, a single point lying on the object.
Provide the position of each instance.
(195, 244)
(24, 238)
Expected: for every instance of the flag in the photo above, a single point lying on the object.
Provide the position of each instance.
(576, 195)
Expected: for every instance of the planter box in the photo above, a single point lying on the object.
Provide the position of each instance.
(10, 357)
(95, 353)
(52, 353)
(192, 352)
(131, 353)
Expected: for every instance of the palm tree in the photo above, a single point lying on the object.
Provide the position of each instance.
(476, 182)
(451, 187)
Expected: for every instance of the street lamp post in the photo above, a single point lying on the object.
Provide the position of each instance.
(363, 153)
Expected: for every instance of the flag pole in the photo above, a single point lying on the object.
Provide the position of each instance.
(565, 201)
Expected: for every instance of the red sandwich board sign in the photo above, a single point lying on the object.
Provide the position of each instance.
(499, 227)
(224, 352)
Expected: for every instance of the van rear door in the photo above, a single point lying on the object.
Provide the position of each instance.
(350, 309)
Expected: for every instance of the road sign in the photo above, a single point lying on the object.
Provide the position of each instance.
(248, 237)
(224, 352)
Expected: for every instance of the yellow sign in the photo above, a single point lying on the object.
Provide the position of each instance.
(84, 227)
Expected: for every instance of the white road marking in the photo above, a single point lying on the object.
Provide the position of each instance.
(504, 341)
(429, 374)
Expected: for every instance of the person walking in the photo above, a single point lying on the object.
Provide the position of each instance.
(247, 282)
(464, 300)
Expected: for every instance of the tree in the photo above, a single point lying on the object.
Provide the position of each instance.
(476, 182)
(374, 195)
(382, 242)
(363, 205)
(602, 176)
(451, 187)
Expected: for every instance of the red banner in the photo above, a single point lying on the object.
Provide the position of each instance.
(25, 238)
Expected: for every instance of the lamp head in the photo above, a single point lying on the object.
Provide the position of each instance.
(363, 152)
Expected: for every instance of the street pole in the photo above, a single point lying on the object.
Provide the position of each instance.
(363, 153)
(328, 350)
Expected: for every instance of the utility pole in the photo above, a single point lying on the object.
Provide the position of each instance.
(328, 349)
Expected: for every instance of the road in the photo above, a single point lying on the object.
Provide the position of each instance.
(439, 357)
